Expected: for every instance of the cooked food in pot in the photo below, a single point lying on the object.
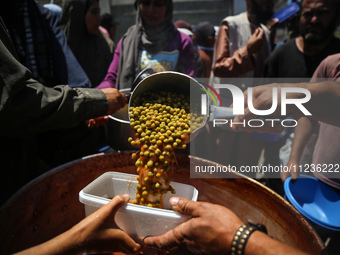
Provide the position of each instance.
(161, 122)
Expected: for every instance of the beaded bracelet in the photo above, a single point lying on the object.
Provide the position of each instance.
(242, 235)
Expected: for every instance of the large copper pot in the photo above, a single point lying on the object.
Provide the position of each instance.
(49, 205)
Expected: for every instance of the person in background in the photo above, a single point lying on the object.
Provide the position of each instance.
(243, 44)
(204, 35)
(185, 28)
(153, 42)
(80, 20)
(28, 108)
(41, 44)
(56, 9)
(327, 147)
(42, 47)
(109, 24)
(318, 21)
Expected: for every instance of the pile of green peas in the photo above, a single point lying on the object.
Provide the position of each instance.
(162, 122)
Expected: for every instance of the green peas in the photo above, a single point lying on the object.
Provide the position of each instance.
(168, 147)
(159, 121)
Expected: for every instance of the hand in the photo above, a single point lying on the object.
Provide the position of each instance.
(292, 165)
(211, 228)
(263, 100)
(116, 99)
(271, 24)
(97, 233)
(256, 41)
(97, 122)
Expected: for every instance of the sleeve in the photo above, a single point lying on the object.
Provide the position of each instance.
(75, 76)
(187, 59)
(328, 68)
(27, 107)
(111, 76)
(230, 66)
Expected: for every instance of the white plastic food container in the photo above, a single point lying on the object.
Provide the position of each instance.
(136, 220)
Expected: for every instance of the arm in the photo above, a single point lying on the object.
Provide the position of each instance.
(302, 133)
(96, 233)
(213, 236)
(323, 105)
(111, 76)
(242, 60)
(28, 107)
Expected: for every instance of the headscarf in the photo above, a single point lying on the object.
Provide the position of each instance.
(93, 52)
(139, 37)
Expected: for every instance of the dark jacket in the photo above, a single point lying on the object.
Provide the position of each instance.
(28, 108)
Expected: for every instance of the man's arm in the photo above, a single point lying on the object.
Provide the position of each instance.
(28, 107)
(302, 134)
(201, 233)
(242, 60)
(324, 104)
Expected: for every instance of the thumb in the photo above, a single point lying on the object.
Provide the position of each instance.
(184, 206)
(117, 202)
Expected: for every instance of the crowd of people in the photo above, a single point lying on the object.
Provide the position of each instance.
(60, 76)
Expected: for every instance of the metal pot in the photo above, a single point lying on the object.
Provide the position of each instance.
(119, 130)
(49, 205)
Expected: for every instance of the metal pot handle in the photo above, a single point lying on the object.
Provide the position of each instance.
(147, 71)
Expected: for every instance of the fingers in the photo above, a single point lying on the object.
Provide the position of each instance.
(97, 122)
(259, 33)
(272, 24)
(123, 100)
(184, 206)
(127, 244)
(116, 100)
(295, 174)
(175, 237)
(167, 241)
(293, 171)
(172, 238)
(284, 176)
(117, 202)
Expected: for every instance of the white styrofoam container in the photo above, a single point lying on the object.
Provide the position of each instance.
(136, 220)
